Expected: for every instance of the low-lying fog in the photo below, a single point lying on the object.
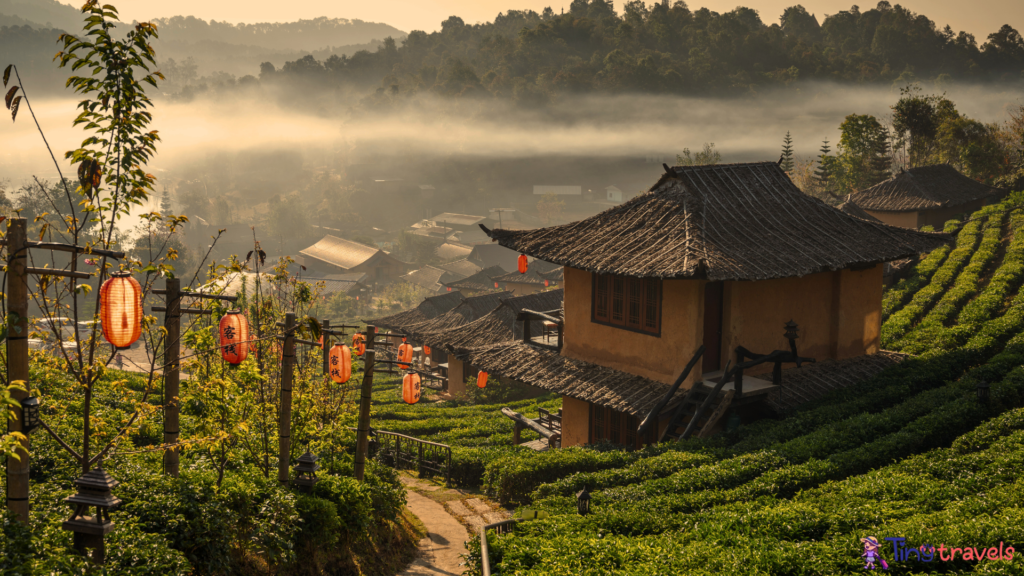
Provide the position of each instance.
(743, 129)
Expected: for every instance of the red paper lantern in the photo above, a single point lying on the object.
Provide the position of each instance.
(481, 379)
(340, 361)
(121, 310)
(426, 350)
(234, 337)
(546, 283)
(522, 263)
(359, 343)
(449, 288)
(495, 284)
(404, 355)
(411, 388)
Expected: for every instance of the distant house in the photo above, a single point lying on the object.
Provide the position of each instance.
(716, 256)
(430, 278)
(461, 268)
(451, 250)
(538, 277)
(482, 281)
(349, 284)
(613, 194)
(925, 196)
(430, 307)
(332, 254)
(488, 255)
(461, 222)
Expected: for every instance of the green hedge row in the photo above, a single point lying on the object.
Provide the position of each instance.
(899, 323)
(949, 496)
(659, 466)
(904, 498)
(897, 296)
(932, 329)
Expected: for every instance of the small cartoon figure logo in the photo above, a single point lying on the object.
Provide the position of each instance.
(871, 554)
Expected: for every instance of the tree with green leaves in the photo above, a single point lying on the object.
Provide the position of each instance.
(705, 157)
(787, 153)
(826, 168)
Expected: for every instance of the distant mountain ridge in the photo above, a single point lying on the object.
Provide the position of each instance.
(40, 14)
(303, 35)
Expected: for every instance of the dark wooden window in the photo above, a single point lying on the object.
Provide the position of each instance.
(631, 303)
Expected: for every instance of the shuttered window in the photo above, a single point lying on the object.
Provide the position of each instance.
(631, 303)
(617, 427)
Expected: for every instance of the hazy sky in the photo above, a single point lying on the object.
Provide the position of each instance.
(980, 17)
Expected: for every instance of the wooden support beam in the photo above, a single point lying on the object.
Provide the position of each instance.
(655, 413)
(183, 310)
(61, 247)
(366, 397)
(55, 272)
(527, 423)
(723, 405)
(284, 425)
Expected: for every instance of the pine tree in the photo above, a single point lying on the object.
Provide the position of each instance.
(823, 174)
(787, 153)
(165, 203)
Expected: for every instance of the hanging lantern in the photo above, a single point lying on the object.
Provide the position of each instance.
(340, 359)
(411, 388)
(481, 379)
(449, 288)
(522, 264)
(404, 355)
(359, 343)
(426, 350)
(495, 284)
(234, 337)
(121, 310)
(547, 282)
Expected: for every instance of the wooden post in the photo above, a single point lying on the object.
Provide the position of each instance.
(325, 326)
(284, 426)
(363, 429)
(172, 359)
(17, 360)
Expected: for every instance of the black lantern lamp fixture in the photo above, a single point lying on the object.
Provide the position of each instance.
(94, 489)
(583, 502)
(29, 414)
(305, 472)
(792, 333)
(984, 392)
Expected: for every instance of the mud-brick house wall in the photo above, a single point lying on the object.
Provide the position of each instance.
(925, 196)
(718, 255)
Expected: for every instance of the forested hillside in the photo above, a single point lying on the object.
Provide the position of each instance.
(669, 48)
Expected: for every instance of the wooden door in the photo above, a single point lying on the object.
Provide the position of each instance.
(712, 326)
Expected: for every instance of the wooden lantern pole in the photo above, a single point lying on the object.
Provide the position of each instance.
(284, 427)
(325, 328)
(172, 360)
(17, 361)
(363, 429)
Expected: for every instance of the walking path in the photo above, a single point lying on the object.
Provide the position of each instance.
(446, 513)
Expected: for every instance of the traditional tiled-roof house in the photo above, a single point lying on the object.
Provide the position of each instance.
(720, 256)
(333, 254)
(429, 308)
(430, 278)
(925, 196)
(451, 340)
(482, 281)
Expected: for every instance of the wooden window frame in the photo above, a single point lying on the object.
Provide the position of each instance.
(612, 294)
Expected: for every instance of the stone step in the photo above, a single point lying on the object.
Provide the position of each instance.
(459, 509)
(478, 505)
